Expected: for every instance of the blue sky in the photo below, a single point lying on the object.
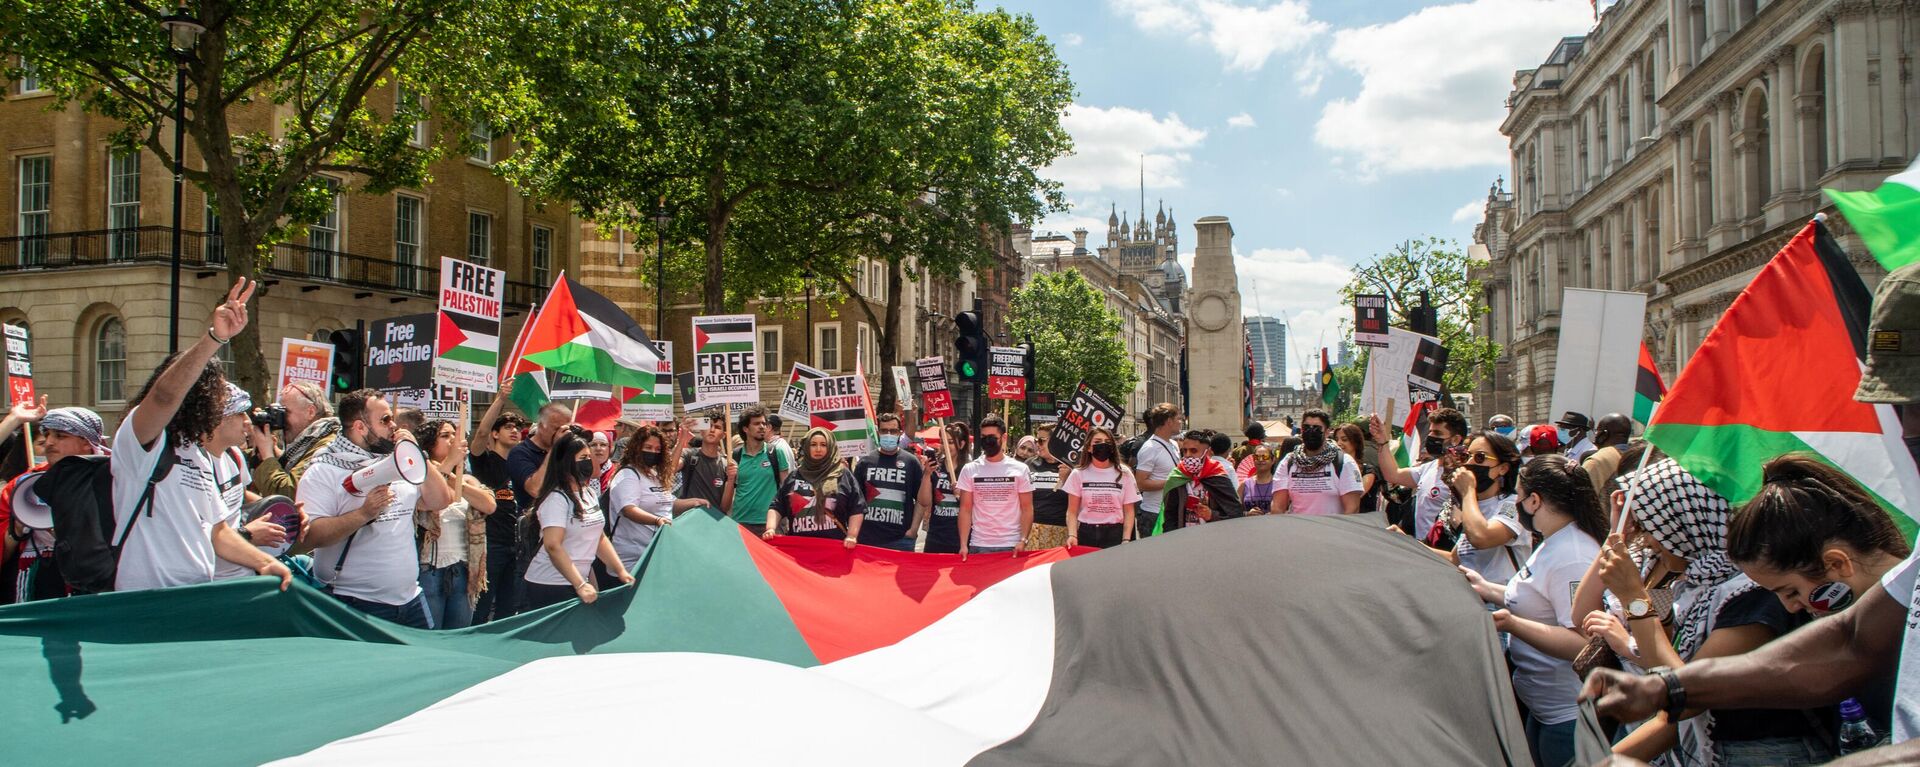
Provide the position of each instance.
(1325, 131)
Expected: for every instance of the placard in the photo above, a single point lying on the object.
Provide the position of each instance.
(793, 401)
(564, 386)
(467, 349)
(725, 368)
(839, 405)
(935, 400)
(1007, 373)
(902, 386)
(655, 404)
(1042, 407)
(437, 402)
(1389, 369)
(1427, 375)
(400, 352)
(19, 373)
(1370, 320)
(304, 361)
(1597, 365)
(1089, 410)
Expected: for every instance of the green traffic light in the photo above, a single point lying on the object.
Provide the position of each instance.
(966, 369)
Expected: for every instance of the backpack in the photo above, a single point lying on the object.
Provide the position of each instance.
(79, 489)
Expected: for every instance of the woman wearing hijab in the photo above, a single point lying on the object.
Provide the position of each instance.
(820, 498)
(1717, 612)
(572, 529)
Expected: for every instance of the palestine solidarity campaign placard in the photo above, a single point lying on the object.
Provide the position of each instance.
(467, 351)
(724, 368)
(839, 405)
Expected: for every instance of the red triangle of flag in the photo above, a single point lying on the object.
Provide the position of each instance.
(700, 338)
(450, 335)
(821, 423)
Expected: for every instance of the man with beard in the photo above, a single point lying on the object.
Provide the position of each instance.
(1317, 478)
(363, 546)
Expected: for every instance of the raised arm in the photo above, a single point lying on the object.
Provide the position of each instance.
(163, 400)
(483, 433)
(1390, 468)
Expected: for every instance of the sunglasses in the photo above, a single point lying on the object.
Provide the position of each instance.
(1482, 456)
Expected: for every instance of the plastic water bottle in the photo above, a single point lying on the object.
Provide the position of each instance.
(1855, 733)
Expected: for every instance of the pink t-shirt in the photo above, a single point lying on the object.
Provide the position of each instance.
(1103, 493)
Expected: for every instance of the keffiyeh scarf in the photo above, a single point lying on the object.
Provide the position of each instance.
(316, 431)
(344, 454)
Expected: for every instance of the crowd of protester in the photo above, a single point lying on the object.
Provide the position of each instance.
(1767, 633)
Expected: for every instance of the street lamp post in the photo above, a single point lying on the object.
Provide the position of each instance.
(183, 31)
(661, 220)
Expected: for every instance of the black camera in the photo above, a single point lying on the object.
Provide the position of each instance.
(271, 416)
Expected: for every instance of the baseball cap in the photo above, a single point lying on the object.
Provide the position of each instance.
(1542, 437)
(78, 421)
(1893, 341)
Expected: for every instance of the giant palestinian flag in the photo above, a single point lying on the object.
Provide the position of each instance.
(581, 333)
(1162, 652)
(1777, 376)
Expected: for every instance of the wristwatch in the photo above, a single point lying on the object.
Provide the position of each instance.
(246, 534)
(1639, 609)
(1676, 694)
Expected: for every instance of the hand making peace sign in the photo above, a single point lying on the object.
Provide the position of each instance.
(230, 316)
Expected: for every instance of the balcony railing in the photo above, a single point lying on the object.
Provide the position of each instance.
(199, 250)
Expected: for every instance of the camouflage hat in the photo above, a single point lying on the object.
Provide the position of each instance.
(1893, 341)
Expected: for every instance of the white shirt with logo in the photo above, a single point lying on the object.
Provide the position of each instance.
(1900, 584)
(1318, 490)
(1157, 457)
(631, 488)
(1103, 493)
(1430, 497)
(1543, 591)
(173, 546)
(996, 487)
(582, 542)
(380, 564)
(233, 478)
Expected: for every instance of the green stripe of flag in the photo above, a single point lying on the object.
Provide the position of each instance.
(593, 364)
(1887, 220)
(472, 355)
(1728, 458)
(723, 347)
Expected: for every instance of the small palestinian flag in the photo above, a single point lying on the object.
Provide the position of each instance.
(1777, 375)
(1000, 660)
(530, 389)
(711, 337)
(581, 333)
(1887, 218)
(466, 338)
(1648, 389)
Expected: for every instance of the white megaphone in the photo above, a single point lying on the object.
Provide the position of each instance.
(406, 464)
(31, 512)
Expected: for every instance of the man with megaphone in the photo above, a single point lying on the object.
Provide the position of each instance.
(360, 495)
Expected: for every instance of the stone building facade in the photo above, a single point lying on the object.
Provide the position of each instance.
(86, 246)
(1673, 150)
(1149, 326)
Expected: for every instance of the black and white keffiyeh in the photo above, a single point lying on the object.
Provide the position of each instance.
(316, 431)
(346, 455)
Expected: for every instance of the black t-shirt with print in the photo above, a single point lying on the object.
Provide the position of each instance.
(1049, 503)
(943, 523)
(1758, 607)
(794, 501)
(491, 470)
(890, 485)
(703, 477)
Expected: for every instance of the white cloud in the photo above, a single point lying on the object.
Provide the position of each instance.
(1292, 283)
(1246, 36)
(1433, 84)
(1071, 39)
(1472, 211)
(1242, 120)
(1112, 145)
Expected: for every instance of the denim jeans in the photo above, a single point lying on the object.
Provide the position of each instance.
(1552, 744)
(445, 592)
(972, 549)
(413, 613)
(1772, 752)
(505, 589)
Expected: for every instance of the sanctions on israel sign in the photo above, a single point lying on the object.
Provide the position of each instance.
(724, 368)
(467, 351)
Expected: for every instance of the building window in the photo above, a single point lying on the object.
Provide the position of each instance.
(479, 238)
(482, 134)
(878, 287)
(542, 254)
(826, 347)
(213, 247)
(123, 204)
(323, 236)
(29, 81)
(36, 202)
(770, 351)
(865, 348)
(406, 242)
(110, 362)
(405, 98)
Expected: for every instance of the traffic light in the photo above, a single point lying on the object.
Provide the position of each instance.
(1424, 318)
(971, 347)
(349, 357)
(1026, 370)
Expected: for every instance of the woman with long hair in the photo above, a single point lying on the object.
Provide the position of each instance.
(453, 541)
(1490, 537)
(820, 499)
(641, 494)
(1352, 437)
(572, 529)
(1256, 492)
(1717, 612)
(1102, 495)
(942, 464)
(1556, 499)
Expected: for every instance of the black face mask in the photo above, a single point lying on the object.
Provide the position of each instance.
(1526, 517)
(1435, 446)
(583, 468)
(990, 444)
(1483, 479)
(649, 458)
(1313, 437)
(1103, 451)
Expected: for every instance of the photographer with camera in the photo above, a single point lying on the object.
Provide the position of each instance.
(302, 414)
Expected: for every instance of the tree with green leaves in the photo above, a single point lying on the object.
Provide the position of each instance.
(1439, 268)
(1076, 336)
(312, 64)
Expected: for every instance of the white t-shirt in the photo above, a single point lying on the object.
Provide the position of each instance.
(1320, 490)
(233, 477)
(1430, 497)
(451, 547)
(631, 488)
(583, 538)
(1543, 592)
(1157, 457)
(996, 487)
(381, 564)
(1900, 584)
(173, 546)
(1498, 564)
(1103, 493)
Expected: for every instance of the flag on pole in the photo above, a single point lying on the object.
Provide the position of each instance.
(1648, 389)
(1413, 433)
(581, 333)
(1887, 218)
(1777, 376)
(1329, 387)
(530, 391)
